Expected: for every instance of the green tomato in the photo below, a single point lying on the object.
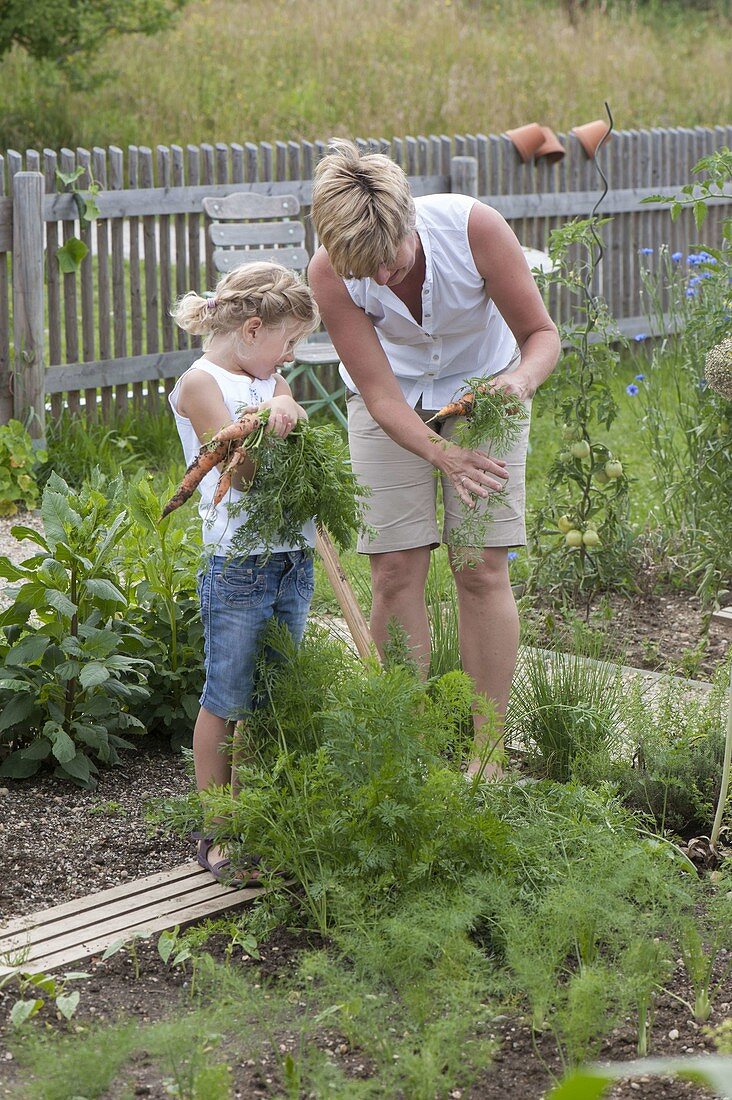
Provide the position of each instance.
(564, 523)
(601, 477)
(573, 537)
(591, 538)
(571, 431)
(614, 468)
(565, 457)
(581, 449)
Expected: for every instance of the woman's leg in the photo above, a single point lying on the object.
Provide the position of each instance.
(489, 633)
(398, 580)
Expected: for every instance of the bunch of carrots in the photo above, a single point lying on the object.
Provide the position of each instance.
(305, 476)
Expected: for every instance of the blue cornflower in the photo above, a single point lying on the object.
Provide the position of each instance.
(676, 256)
(706, 274)
(695, 280)
(691, 292)
(632, 390)
(694, 258)
(640, 377)
(645, 251)
(703, 384)
(512, 555)
(640, 336)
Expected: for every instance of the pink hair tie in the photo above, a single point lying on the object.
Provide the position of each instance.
(211, 304)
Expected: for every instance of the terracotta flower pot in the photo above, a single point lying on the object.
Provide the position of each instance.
(526, 140)
(551, 147)
(590, 135)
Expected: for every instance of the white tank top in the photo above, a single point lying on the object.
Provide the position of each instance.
(462, 334)
(238, 391)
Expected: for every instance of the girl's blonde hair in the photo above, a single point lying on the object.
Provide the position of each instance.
(362, 210)
(269, 291)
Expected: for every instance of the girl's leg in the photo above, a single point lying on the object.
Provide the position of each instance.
(234, 608)
(211, 758)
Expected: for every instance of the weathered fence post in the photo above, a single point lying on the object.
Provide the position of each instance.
(28, 328)
(464, 176)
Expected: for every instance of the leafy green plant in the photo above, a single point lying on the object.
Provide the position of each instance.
(594, 1082)
(700, 944)
(564, 707)
(580, 533)
(34, 988)
(695, 433)
(646, 967)
(73, 251)
(76, 448)
(127, 944)
(72, 665)
(19, 463)
(305, 476)
(672, 766)
(160, 566)
(347, 783)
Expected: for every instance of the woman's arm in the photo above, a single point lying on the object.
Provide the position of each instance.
(358, 346)
(509, 282)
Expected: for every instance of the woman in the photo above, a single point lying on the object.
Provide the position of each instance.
(418, 296)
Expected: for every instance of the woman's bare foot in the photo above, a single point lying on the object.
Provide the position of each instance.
(486, 771)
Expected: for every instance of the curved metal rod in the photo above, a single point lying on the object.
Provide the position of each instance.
(599, 252)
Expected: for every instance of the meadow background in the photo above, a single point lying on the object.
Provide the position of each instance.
(250, 70)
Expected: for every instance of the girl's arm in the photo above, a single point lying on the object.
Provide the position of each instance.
(200, 401)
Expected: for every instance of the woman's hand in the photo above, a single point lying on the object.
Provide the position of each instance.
(514, 383)
(284, 414)
(472, 473)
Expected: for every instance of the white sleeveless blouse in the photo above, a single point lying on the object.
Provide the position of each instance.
(238, 391)
(462, 334)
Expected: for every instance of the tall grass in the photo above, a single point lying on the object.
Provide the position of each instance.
(262, 69)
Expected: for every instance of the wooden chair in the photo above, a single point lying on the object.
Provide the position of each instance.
(247, 228)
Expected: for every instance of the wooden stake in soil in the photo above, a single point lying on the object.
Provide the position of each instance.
(352, 613)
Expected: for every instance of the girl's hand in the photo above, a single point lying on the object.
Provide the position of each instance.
(284, 414)
(473, 473)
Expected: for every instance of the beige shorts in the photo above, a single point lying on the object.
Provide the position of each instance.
(402, 507)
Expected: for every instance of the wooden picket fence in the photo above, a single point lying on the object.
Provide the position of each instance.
(102, 340)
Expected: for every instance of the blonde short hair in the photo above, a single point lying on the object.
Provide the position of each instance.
(269, 291)
(362, 210)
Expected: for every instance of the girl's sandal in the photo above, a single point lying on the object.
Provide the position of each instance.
(222, 870)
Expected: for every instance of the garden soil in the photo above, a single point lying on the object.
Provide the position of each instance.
(60, 843)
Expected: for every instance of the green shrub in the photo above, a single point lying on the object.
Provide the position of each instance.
(72, 665)
(160, 568)
(18, 469)
(563, 707)
(672, 763)
(695, 432)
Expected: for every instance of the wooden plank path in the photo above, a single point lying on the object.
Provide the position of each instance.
(64, 934)
(723, 617)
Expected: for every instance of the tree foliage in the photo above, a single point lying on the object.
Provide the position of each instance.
(69, 32)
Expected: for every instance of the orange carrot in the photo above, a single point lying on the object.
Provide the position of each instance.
(236, 459)
(210, 455)
(461, 407)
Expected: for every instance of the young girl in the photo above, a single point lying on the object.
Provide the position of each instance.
(251, 324)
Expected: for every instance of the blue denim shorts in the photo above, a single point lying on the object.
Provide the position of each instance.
(238, 598)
